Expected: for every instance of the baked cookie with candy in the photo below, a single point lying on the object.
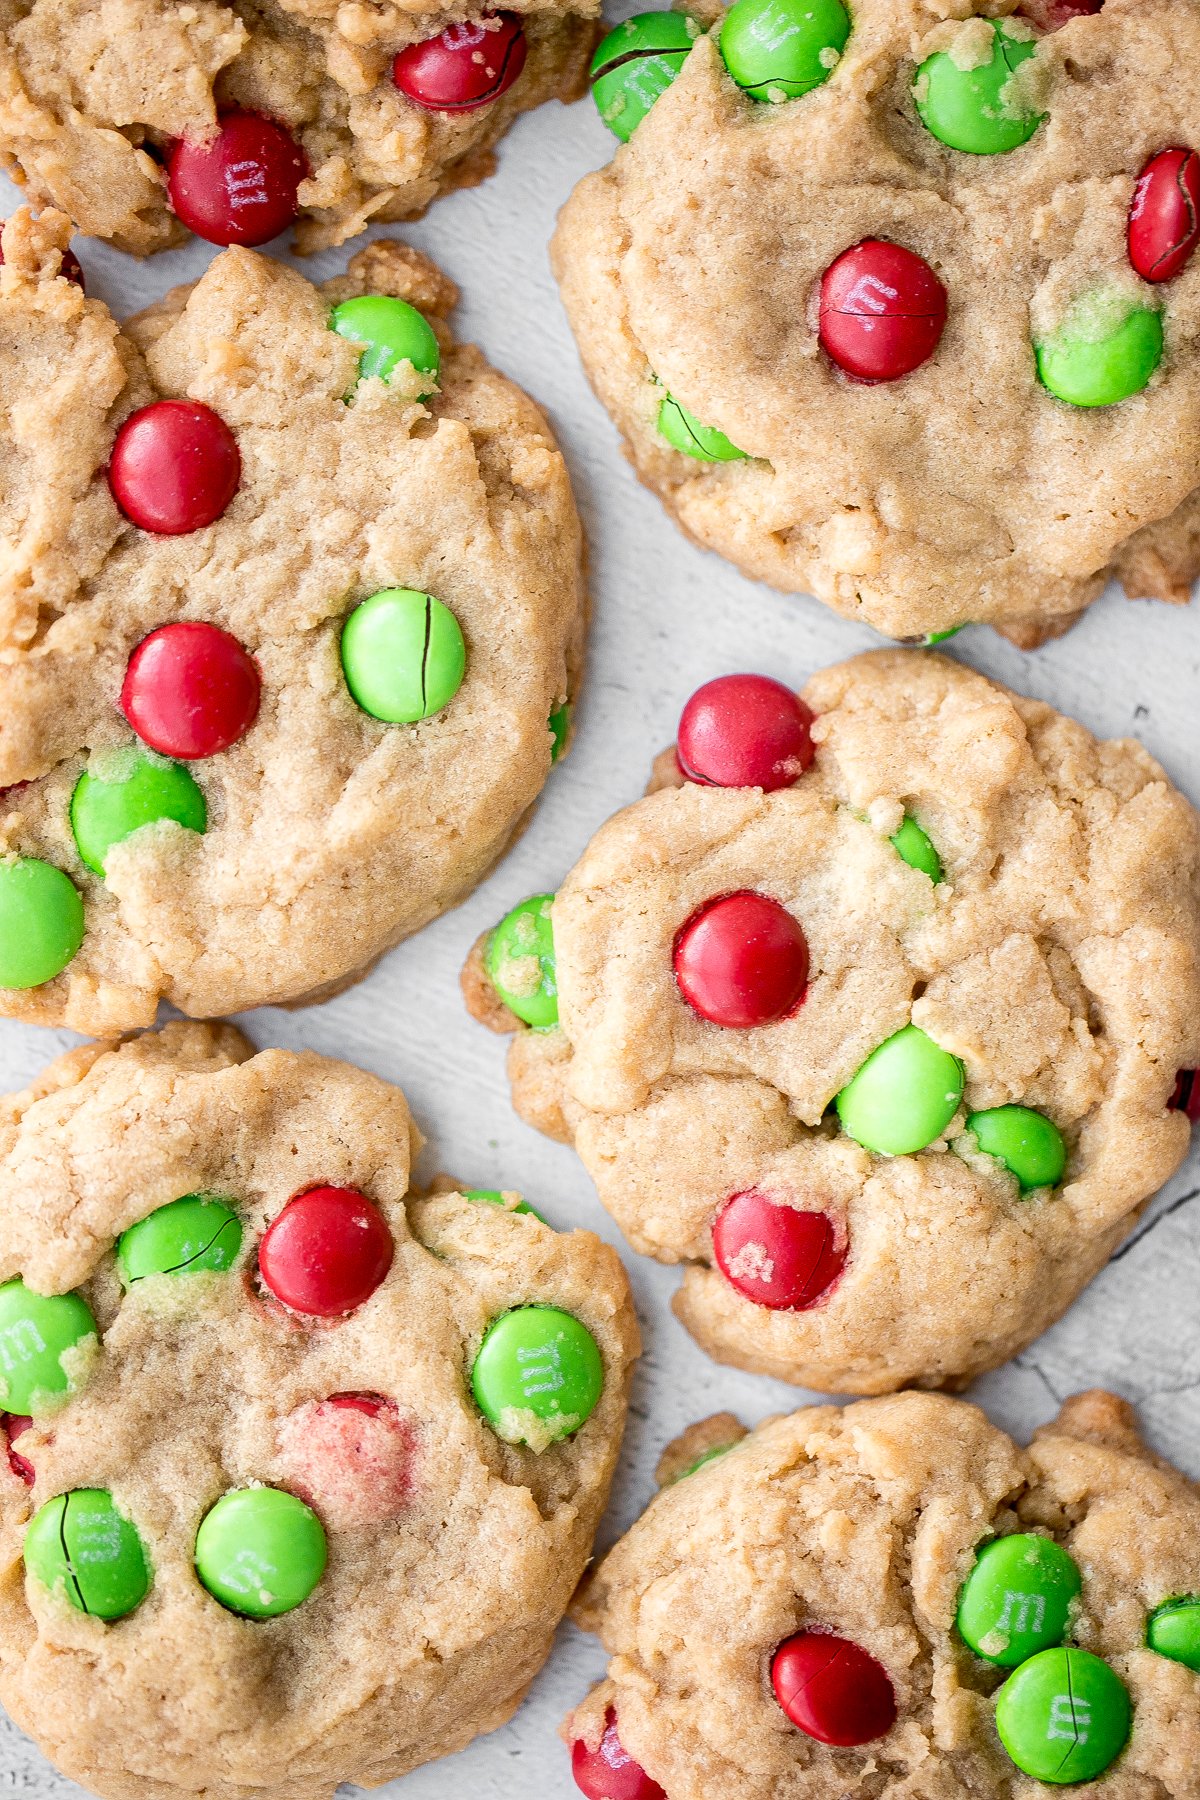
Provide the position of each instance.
(264, 1406)
(895, 1599)
(872, 1016)
(274, 562)
(895, 302)
(151, 119)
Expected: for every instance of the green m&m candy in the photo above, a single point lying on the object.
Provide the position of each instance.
(185, 1237)
(493, 1197)
(391, 332)
(635, 63)
(1029, 1145)
(1063, 1716)
(520, 962)
(43, 1340)
(559, 726)
(125, 790)
(977, 106)
(709, 1456)
(778, 49)
(1106, 349)
(41, 922)
(260, 1551)
(80, 1545)
(904, 1096)
(683, 431)
(1017, 1599)
(1173, 1630)
(538, 1375)
(913, 847)
(403, 655)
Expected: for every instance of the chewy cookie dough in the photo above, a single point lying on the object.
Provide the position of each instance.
(289, 621)
(303, 1467)
(895, 1600)
(146, 119)
(897, 305)
(883, 1023)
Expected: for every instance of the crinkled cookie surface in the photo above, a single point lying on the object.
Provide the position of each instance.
(1058, 959)
(964, 491)
(92, 95)
(330, 835)
(438, 1606)
(866, 1522)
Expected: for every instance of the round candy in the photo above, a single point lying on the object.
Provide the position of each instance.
(391, 332)
(1103, 352)
(1186, 1098)
(43, 1344)
(241, 186)
(833, 1689)
(745, 731)
(635, 63)
(978, 109)
(350, 1456)
(538, 1375)
(778, 49)
(175, 467)
(1063, 1716)
(1017, 1599)
(69, 267)
(913, 846)
(467, 65)
(493, 1197)
(559, 727)
(609, 1772)
(126, 791)
(1164, 219)
(742, 961)
(41, 922)
(883, 311)
(774, 1254)
(326, 1252)
(520, 962)
(190, 690)
(186, 1237)
(81, 1546)
(1052, 15)
(904, 1096)
(403, 655)
(15, 1426)
(1029, 1145)
(1173, 1630)
(683, 431)
(260, 1552)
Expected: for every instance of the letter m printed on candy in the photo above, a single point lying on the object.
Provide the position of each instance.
(20, 1343)
(1022, 1612)
(541, 1369)
(1069, 1719)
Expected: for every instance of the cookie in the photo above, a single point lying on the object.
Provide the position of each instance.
(290, 616)
(150, 119)
(896, 1599)
(279, 1402)
(882, 1008)
(897, 305)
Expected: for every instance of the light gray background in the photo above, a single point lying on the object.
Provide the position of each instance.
(667, 617)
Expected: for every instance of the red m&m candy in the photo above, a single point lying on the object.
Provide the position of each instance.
(1052, 15)
(742, 960)
(239, 187)
(350, 1457)
(774, 1254)
(465, 66)
(190, 690)
(745, 731)
(1164, 219)
(326, 1252)
(833, 1689)
(883, 311)
(175, 467)
(609, 1772)
(14, 1425)
(1186, 1098)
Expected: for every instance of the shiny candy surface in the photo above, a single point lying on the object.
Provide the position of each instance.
(913, 846)
(981, 109)
(636, 63)
(468, 65)
(609, 1772)
(742, 961)
(684, 432)
(1018, 1598)
(175, 466)
(521, 965)
(260, 1552)
(241, 186)
(326, 1252)
(391, 332)
(833, 1689)
(41, 922)
(882, 311)
(125, 791)
(1064, 1716)
(745, 731)
(775, 1255)
(403, 656)
(538, 1375)
(777, 50)
(80, 1546)
(198, 1234)
(1164, 218)
(904, 1096)
(190, 690)
(1105, 351)
(44, 1340)
(1173, 1631)
(1030, 1145)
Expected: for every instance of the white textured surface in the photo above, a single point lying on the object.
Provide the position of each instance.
(666, 618)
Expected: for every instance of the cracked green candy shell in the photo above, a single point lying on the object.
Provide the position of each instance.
(403, 655)
(780, 49)
(260, 1552)
(1017, 1599)
(1174, 1631)
(81, 1545)
(635, 64)
(1087, 368)
(969, 108)
(538, 1375)
(1063, 1716)
(520, 962)
(391, 332)
(683, 431)
(904, 1096)
(1029, 1144)
(124, 792)
(913, 846)
(493, 1197)
(41, 922)
(188, 1236)
(36, 1332)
